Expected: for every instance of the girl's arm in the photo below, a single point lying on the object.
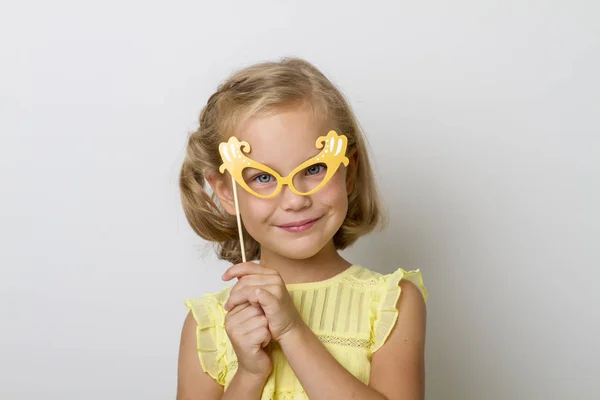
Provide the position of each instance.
(397, 368)
(195, 384)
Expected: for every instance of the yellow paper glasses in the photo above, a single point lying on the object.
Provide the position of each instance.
(264, 182)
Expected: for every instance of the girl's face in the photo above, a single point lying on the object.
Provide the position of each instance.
(283, 140)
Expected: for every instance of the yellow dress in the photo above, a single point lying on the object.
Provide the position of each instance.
(351, 313)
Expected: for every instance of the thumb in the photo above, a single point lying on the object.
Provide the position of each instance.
(267, 301)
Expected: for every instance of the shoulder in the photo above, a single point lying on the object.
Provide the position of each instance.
(406, 298)
(396, 298)
(218, 296)
(193, 378)
(411, 303)
(208, 303)
(202, 338)
(410, 281)
(404, 283)
(409, 295)
(398, 369)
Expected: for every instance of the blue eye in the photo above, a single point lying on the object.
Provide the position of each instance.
(263, 178)
(315, 169)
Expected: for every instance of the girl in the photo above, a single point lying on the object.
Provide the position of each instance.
(283, 153)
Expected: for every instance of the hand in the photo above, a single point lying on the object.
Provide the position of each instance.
(246, 326)
(264, 286)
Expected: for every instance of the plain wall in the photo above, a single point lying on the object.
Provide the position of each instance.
(483, 120)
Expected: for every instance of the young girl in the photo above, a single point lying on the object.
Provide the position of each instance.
(288, 166)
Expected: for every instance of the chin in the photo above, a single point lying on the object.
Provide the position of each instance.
(299, 245)
(299, 253)
(300, 248)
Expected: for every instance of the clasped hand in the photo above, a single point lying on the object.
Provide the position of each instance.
(264, 287)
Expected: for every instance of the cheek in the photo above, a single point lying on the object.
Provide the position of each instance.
(334, 193)
(254, 209)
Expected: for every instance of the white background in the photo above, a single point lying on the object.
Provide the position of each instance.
(483, 119)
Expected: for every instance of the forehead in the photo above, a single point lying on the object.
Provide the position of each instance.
(283, 139)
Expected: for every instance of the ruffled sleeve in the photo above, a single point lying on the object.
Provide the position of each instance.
(210, 335)
(383, 309)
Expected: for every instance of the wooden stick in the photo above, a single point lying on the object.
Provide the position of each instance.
(239, 222)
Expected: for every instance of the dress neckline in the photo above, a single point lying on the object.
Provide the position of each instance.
(325, 282)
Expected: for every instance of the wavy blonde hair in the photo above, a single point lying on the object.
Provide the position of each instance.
(260, 88)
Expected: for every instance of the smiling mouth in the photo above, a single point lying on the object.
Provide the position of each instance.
(299, 226)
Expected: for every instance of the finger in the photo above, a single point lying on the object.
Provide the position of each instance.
(238, 308)
(256, 280)
(239, 321)
(242, 269)
(260, 335)
(266, 342)
(242, 295)
(256, 322)
(269, 302)
(249, 294)
(247, 313)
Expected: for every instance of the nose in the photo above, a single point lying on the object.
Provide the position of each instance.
(290, 201)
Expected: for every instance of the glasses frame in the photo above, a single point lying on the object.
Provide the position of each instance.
(333, 154)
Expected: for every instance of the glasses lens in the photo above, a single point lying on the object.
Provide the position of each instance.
(259, 181)
(310, 178)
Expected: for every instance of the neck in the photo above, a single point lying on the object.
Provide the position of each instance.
(323, 265)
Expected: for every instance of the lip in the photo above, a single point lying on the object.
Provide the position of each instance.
(299, 226)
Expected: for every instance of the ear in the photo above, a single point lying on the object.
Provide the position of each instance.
(222, 190)
(352, 170)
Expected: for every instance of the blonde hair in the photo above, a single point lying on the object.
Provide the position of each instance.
(259, 88)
